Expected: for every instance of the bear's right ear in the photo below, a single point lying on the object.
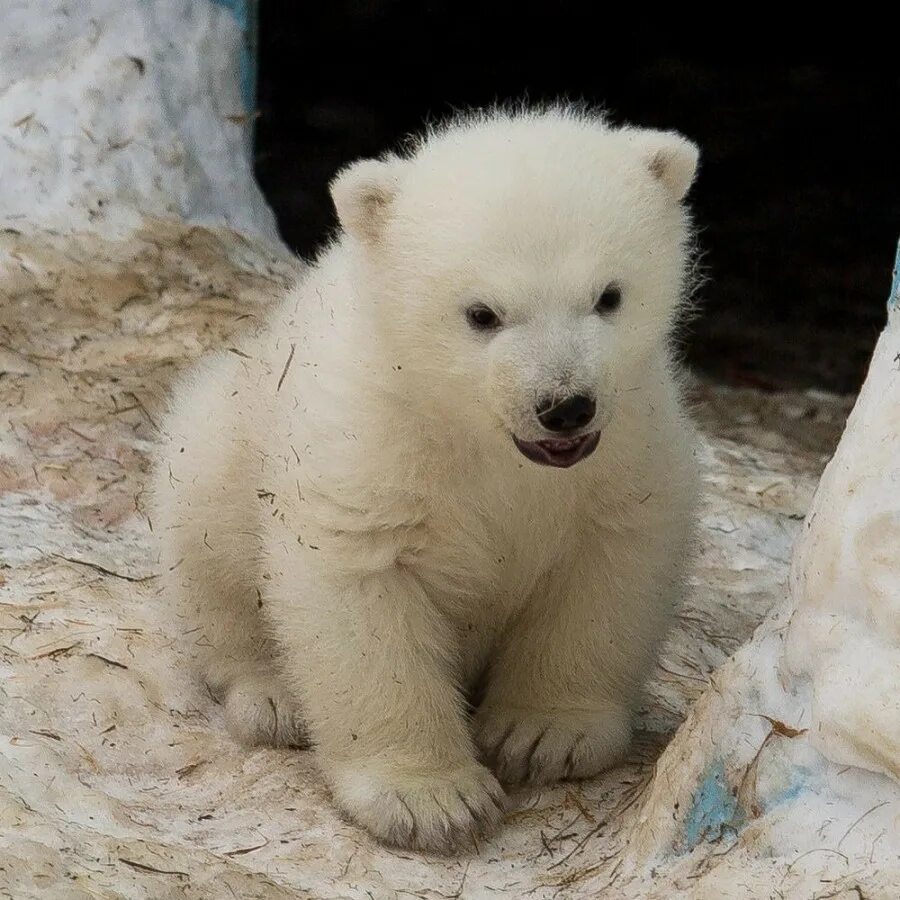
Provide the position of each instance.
(668, 156)
(363, 193)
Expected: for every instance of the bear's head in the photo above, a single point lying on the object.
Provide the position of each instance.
(525, 270)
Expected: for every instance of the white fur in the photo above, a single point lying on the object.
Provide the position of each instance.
(347, 527)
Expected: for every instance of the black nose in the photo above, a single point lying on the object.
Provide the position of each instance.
(567, 415)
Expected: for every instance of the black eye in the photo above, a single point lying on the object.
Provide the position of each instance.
(482, 318)
(610, 299)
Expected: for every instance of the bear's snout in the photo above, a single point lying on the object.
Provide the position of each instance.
(566, 415)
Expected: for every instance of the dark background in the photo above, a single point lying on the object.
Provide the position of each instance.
(798, 199)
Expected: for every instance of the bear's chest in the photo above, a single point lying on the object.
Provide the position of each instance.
(488, 552)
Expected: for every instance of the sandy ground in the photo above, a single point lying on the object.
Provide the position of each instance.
(116, 775)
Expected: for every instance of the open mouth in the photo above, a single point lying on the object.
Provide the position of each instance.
(559, 452)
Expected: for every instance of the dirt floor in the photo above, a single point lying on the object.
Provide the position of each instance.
(116, 775)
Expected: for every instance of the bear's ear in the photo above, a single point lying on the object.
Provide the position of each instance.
(363, 193)
(669, 157)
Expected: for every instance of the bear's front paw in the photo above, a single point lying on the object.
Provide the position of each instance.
(438, 811)
(534, 746)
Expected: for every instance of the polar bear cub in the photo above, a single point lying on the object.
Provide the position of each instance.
(435, 515)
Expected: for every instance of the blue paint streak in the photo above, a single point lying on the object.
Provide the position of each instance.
(714, 809)
(788, 794)
(894, 299)
(245, 14)
(800, 781)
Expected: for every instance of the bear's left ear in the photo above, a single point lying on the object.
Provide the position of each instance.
(669, 157)
(363, 193)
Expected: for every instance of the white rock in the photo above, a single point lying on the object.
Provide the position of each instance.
(114, 110)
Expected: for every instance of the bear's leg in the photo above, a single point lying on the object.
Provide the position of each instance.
(561, 692)
(205, 513)
(259, 710)
(217, 614)
(374, 664)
